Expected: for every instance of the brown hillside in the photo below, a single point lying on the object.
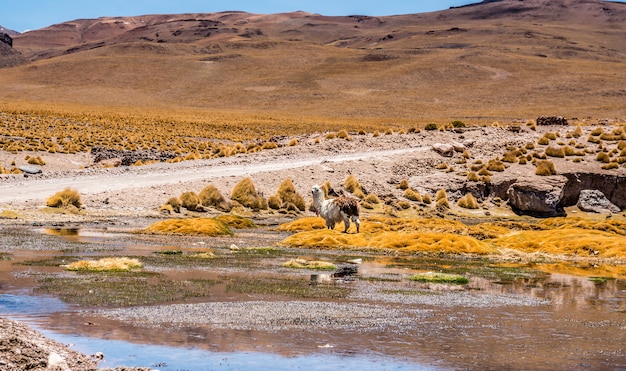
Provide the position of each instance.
(496, 60)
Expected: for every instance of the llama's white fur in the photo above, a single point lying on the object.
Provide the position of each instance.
(335, 210)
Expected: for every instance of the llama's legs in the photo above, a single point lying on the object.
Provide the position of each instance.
(346, 223)
(357, 222)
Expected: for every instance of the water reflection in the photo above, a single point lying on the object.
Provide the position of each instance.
(571, 331)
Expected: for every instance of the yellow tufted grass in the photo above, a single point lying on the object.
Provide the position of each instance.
(613, 226)
(236, 221)
(325, 238)
(556, 237)
(199, 226)
(303, 224)
(409, 242)
(105, 265)
(430, 242)
(566, 241)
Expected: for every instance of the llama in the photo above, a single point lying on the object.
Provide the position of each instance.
(337, 209)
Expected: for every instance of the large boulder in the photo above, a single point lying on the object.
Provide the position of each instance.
(538, 196)
(446, 150)
(592, 200)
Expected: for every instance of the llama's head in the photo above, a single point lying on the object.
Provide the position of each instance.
(317, 192)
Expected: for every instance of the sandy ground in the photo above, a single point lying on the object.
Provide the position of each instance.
(379, 163)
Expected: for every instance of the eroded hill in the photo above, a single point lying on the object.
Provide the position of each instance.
(496, 60)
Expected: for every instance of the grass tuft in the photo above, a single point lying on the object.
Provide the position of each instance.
(64, 199)
(199, 226)
(245, 193)
(210, 196)
(545, 168)
(468, 202)
(105, 265)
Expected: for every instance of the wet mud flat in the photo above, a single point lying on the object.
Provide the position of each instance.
(244, 300)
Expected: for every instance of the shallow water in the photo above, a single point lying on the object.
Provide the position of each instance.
(533, 318)
(36, 311)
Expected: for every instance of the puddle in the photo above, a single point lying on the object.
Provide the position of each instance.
(550, 319)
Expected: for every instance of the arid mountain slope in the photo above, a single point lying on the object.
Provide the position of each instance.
(496, 60)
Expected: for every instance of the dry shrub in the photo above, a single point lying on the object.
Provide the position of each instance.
(245, 193)
(211, 196)
(612, 137)
(592, 139)
(106, 265)
(576, 133)
(352, 184)
(441, 200)
(199, 226)
(293, 142)
(190, 201)
(551, 136)
(404, 184)
(302, 224)
(274, 202)
(172, 205)
(236, 221)
(66, 198)
(343, 134)
(545, 168)
(555, 151)
(472, 177)
(372, 199)
(603, 157)
(286, 193)
(330, 135)
(495, 165)
(610, 166)
(412, 195)
(543, 141)
(269, 145)
(310, 264)
(426, 199)
(36, 161)
(483, 171)
(442, 166)
(511, 156)
(468, 202)
(569, 151)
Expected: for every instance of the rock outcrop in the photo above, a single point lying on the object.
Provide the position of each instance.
(446, 150)
(613, 186)
(540, 196)
(592, 200)
(551, 120)
(5, 38)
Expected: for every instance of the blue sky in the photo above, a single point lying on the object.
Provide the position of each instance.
(23, 15)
